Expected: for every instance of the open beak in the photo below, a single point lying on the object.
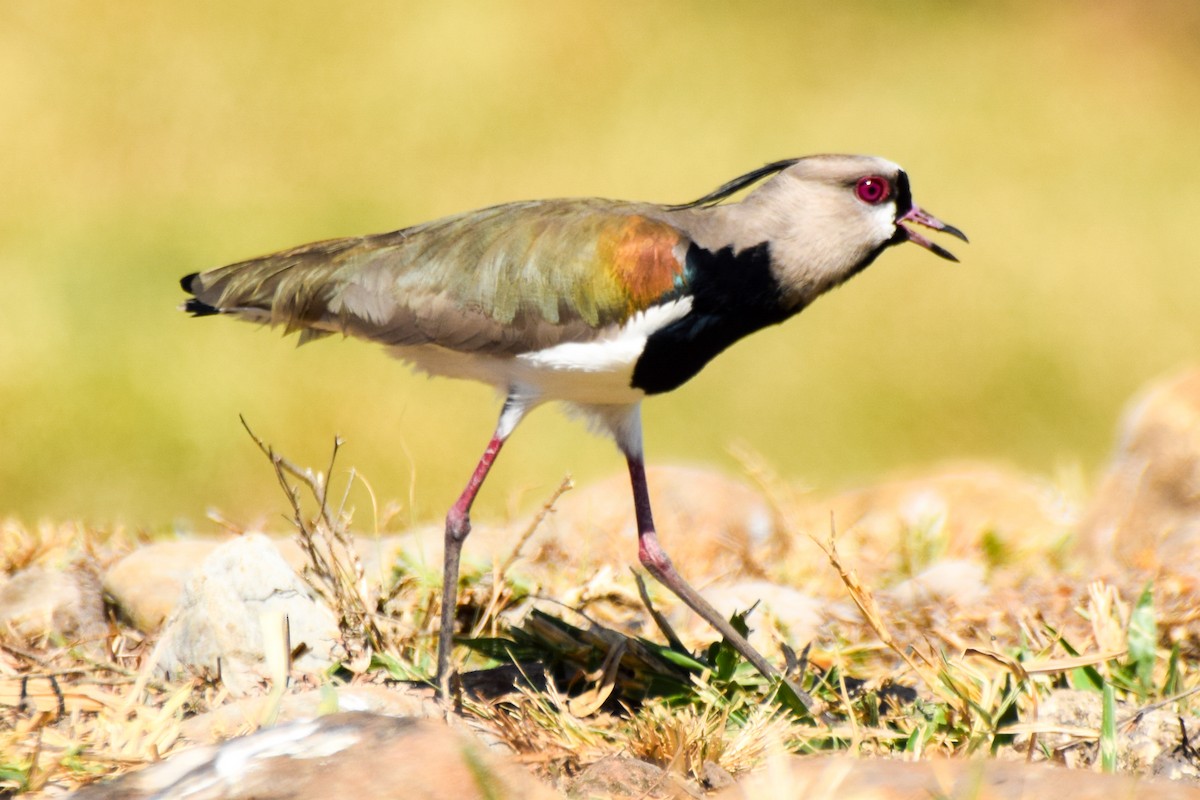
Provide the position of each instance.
(915, 214)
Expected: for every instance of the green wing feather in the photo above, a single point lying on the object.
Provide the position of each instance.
(506, 279)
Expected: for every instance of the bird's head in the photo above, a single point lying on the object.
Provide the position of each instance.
(825, 218)
(844, 211)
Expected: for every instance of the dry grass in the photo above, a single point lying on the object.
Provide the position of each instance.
(79, 712)
(898, 682)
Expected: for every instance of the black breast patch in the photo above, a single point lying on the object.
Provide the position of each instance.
(733, 295)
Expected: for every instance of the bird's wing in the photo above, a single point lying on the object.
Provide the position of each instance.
(504, 280)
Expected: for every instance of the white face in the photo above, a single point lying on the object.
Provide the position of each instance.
(853, 207)
(831, 216)
(882, 219)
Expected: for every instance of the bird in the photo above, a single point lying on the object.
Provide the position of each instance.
(594, 303)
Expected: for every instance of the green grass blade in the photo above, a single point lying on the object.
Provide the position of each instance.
(1142, 641)
(1108, 731)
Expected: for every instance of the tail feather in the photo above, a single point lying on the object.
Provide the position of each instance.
(290, 288)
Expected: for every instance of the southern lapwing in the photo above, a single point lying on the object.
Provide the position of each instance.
(596, 303)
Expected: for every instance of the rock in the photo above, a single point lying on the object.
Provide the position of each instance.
(849, 778)
(44, 604)
(715, 776)
(368, 551)
(1146, 511)
(711, 525)
(797, 615)
(242, 715)
(145, 585)
(961, 511)
(1147, 741)
(952, 581)
(620, 776)
(218, 625)
(379, 555)
(1176, 765)
(353, 754)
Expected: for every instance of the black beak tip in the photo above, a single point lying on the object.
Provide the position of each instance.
(944, 253)
(953, 231)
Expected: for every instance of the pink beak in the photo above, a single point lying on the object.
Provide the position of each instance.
(915, 214)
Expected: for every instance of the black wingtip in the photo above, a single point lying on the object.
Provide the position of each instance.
(195, 306)
(198, 308)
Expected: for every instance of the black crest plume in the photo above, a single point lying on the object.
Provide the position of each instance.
(737, 184)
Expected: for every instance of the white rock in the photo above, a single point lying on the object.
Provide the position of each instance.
(218, 625)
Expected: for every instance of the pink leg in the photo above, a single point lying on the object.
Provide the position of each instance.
(658, 563)
(458, 525)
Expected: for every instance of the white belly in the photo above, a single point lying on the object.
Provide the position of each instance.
(591, 373)
(596, 372)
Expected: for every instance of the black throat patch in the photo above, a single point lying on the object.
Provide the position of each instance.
(733, 295)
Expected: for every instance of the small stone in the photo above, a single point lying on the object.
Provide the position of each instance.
(352, 754)
(218, 625)
(1145, 742)
(44, 604)
(715, 776)
(954, 511)
(1174, 765)
(145, 585)
(798, 616)
(953, 581)
(242, 714)
(790, 777)
(620, 776)
(712, 525)
(1146, 511)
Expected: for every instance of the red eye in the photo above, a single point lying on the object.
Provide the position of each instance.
(873, 189)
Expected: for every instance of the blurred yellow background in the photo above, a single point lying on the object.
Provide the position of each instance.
(141, 141)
